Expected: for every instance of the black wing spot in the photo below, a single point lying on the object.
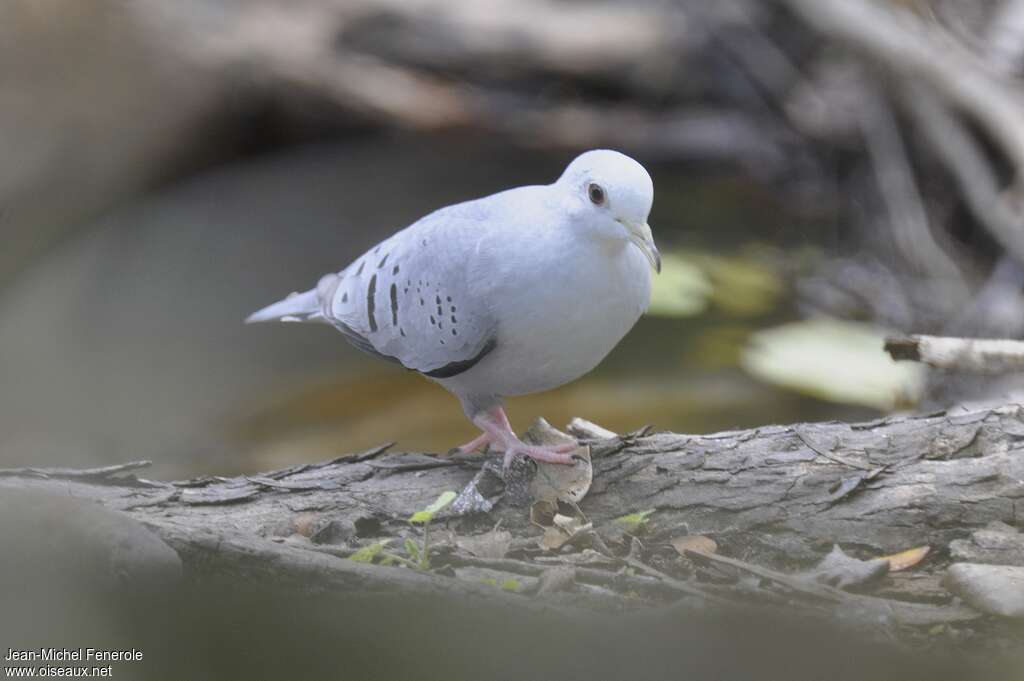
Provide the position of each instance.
(456, 368)
(344, 297)
(383, 261)
(394, 270)
(449, 298)
(394, 305)
(370, 291)
(453, 309)
(362, 342)
(454, 320)
(421, 302)
(432, 320)
(360, 270)
(454, 332)
(402, 331)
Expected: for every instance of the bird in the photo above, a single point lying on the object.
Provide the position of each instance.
(513, 293)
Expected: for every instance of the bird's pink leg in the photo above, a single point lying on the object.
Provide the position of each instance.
(475, 444)
(499, 432)
(484, 438)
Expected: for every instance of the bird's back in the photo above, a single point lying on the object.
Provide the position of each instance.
(416, 297)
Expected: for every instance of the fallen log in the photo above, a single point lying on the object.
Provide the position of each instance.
(774, 500)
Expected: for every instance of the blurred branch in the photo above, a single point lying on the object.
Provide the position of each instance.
(436, 65)
(959, 354)
(1006, 38)
(966, 162)
(902, 42)
(907, 215)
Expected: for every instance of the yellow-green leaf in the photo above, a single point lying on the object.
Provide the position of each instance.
(427, 514)
(681, 290)
(367, 553)
(634, 521)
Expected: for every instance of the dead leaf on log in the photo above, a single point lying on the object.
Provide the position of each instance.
(905, 560)
(553, 539)
(563, 528)
(554, 482)
(695, 542)
(542, 513)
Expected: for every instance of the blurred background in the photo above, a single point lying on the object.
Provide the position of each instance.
(826, 173)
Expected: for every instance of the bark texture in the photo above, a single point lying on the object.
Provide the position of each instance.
(773, 498)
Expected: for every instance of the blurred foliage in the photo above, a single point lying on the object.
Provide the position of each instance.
(691, 281)
(834, 360)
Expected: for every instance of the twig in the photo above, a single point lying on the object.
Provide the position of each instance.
(960, 354)
(912, 614)
(678, 585)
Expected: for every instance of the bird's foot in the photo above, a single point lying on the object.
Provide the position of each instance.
(548, 454)
(480, 441)
(498, 431)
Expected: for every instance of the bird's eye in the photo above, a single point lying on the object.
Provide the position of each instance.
(596, 193)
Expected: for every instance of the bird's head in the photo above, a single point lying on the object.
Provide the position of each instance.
(610, 196)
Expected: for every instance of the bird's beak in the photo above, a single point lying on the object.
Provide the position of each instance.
(641, 236)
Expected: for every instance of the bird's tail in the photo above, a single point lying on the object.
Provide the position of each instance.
(298, 307)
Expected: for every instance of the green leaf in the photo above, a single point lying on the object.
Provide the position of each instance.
(681, 290)
(635, 521)
(412, 549)
(510, 585)
(741, 286)
(388, 560)
(367, 553)
(833, 360)
(491, 581)
(427, 514)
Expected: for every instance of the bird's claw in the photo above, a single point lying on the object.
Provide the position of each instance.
(556, 454)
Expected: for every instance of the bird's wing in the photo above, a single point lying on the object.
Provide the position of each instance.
(411, 298)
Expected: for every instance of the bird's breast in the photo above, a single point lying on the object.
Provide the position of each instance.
(565, 314)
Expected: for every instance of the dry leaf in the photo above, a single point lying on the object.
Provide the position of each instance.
(568, 524)
(542, 513)
(906, 559)
(694, 542)
(563, 529)
(554, 482)
(553, 538)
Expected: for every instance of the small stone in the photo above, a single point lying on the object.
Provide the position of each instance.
(991, 589)
(995, 544)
